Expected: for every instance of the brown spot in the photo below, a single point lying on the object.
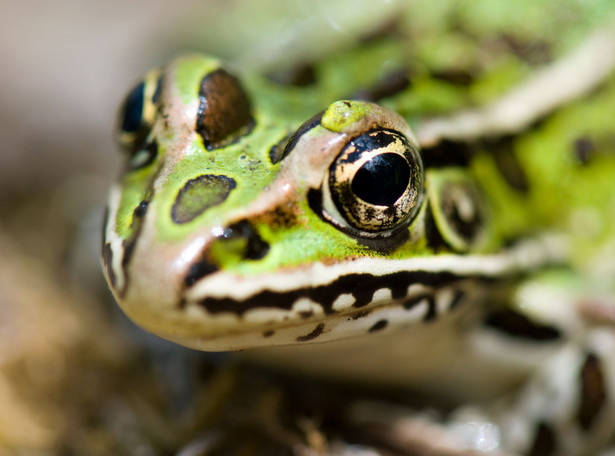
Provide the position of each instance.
(317, 331)
(199, 194)
(379, 326)
(268, 333)
(360, 314)
(224, 113)
(593, 391)
(584, 149)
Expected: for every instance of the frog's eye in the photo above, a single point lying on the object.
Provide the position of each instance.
(137, 113)
(375, 184)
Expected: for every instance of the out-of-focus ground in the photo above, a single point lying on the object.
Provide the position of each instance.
(75, 378)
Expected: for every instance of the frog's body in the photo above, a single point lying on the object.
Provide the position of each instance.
(245, 219)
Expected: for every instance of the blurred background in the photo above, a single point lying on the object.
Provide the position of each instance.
(74, 378)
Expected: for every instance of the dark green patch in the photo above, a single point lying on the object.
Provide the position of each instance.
(199, 194)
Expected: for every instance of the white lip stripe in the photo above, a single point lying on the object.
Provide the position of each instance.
(526, 255)
(113, 240)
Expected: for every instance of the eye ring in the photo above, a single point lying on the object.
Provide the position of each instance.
(375, 184)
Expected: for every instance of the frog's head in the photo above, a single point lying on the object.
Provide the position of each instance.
(232, 227)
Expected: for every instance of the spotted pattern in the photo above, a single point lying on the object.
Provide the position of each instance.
(224, 114)
(361, 286)
(378, 326)
(593, 391)
(317, 331)
(199, 194)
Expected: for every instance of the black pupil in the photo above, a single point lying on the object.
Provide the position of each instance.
(133, 109)
(382, 180)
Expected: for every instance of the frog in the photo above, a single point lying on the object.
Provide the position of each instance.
(352, 237)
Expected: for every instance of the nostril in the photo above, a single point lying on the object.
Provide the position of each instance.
(238, 242)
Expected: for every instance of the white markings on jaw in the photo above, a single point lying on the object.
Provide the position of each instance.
(382, 295)
(307, 306)
(343, 302)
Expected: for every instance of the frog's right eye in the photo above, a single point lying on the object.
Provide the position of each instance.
(137, 113)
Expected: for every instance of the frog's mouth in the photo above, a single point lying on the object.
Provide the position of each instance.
(329, 302)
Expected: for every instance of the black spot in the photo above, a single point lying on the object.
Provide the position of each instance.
(199, 194)
(584, 150)
(268, 333)
(593, 391)
(224, 114)
(361, 314)
(198, 270)
(382, 180)
(277, 150)
(447, 153)
(107, 257)
(520, 326)
(455, 76)
(379, 326)
(317, 331)
(132, 110)
(303, 129)
(544, 443)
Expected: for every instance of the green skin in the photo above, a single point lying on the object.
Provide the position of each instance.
(562, 196)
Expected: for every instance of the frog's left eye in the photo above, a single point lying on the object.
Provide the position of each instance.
(138, 111)
(375, 184)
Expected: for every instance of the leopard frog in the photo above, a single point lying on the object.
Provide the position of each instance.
(366, 235)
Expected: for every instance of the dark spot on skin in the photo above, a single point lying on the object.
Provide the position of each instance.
(378, 326)
(517, 325)
(390, 85)
(199, 194)
(306, 314)
(544, 443)
(107, 257)
(198, 270)
(508, 164)
(458, 77)
(361, 286)
(593, 391)
(533, 51)
(302, 75)
(224, 113)
(317, 331)
(277, 150)
(303, 129)
(361, 314)
(584, 150)
(447, 153)
(268, 333)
